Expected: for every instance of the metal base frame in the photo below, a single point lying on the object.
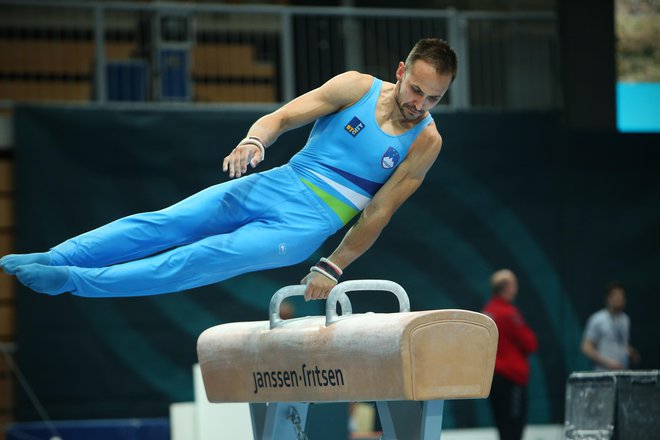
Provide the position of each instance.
(401, 420)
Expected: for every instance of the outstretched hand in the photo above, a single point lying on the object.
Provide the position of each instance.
(318, 286)
(237, 161)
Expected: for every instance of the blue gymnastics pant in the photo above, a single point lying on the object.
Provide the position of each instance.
(260, 221)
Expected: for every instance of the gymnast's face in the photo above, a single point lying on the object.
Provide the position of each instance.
(419, 88)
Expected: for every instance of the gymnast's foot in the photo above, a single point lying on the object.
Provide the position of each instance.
(9, 263)
(52, 280)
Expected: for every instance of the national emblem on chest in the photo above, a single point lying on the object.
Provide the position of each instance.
(390, 158)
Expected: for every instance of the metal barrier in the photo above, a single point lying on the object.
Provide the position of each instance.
(216, 53)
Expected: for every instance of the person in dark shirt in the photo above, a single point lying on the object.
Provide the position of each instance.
(516, 341)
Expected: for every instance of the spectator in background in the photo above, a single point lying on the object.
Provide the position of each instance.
(508, 396)
(607, 335)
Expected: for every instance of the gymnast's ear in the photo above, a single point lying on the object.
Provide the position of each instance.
(400, 71)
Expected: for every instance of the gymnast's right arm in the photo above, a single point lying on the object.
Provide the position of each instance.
(377, 214)
(337, 93)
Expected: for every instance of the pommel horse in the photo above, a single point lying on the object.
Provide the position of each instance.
(394, 359)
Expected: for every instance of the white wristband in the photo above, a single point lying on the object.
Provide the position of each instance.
(333, 265)
(257, 142)
(323, 272)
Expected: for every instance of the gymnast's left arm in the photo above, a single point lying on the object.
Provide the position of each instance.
(377, 214)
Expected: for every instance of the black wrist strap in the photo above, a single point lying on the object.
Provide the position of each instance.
(329, 268)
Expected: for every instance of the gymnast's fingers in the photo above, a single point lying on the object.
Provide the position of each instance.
(318, 286)
(322, 293)
(256, 159)
(312, 288)
(240, 157)
(232, 164)
(241, 161)
(227, 165)
(308, 292)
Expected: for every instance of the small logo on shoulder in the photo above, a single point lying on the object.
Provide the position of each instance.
(354, 126)
(390, 159)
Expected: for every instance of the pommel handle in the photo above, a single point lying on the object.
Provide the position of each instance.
(299, 290)
(339, 291)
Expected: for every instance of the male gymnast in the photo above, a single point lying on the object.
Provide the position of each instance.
(369, 150)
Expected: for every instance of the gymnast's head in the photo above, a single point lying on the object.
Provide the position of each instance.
(437, 53)
(425, 76)
(504, 284)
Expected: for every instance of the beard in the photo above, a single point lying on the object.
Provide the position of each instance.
(409, 112)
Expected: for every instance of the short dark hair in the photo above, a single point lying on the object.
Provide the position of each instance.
(437, 53)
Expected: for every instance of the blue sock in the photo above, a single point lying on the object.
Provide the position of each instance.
(45, 279)
(9, 263)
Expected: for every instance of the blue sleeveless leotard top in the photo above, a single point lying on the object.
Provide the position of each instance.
(348, 157)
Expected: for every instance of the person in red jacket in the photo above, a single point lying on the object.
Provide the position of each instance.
(516, 341)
